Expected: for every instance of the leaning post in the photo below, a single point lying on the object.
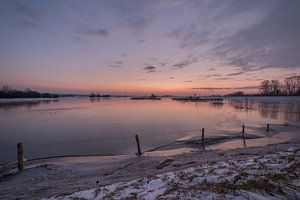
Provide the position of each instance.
(243, 136)
(139, 153)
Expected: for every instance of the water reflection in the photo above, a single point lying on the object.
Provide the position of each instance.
(97, 99)
(242, 105)
(292, 111)
(198, 104)
(216, 104)
(24, 104)
(273, 109)
(244, 142)
(98, 126)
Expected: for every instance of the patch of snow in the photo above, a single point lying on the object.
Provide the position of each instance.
(203, 182)
(221, 171)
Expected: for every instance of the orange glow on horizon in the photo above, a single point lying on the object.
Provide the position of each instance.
(145, 89)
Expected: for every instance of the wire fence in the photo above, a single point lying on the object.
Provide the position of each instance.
(97, 140)
(129, 137)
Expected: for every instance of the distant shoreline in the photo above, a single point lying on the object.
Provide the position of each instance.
(22, 101)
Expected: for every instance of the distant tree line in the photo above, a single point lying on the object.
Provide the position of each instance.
(7, 92)
(290, 86)
(93, 95)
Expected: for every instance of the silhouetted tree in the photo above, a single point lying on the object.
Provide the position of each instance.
(236, 94)
(292, 85)
(6, 88)
(275, 87)
(7, 92)
(92, 95)
(265, 87)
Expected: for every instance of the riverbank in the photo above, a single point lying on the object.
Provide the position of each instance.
(65, 176)
(25, 101)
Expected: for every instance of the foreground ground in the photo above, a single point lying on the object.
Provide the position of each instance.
(270, 172)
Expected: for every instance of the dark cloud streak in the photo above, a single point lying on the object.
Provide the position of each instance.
(188, 61)
(30, 16)
(150, 69)
(227, 88)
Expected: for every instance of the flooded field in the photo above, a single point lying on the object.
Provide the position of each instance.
(106, 126)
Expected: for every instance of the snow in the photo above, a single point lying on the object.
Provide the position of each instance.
(246, 178)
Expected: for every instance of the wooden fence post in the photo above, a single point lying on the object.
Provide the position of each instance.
(139, 153)
(202, 135)
(203, 139)
(20, 157)
(243, 136)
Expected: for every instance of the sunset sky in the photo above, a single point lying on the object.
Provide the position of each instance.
(142, 47)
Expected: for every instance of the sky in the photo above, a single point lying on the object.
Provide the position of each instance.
(143, 46)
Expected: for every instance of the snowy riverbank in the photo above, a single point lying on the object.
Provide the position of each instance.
(270, 176)
(247, 173)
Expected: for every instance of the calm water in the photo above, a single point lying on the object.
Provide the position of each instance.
(79, 126)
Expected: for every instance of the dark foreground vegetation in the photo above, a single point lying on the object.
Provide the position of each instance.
(7, 92)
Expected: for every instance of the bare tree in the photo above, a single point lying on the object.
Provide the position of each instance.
(6, 88)
(265, 87)
(292, 85)
(274, 87)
